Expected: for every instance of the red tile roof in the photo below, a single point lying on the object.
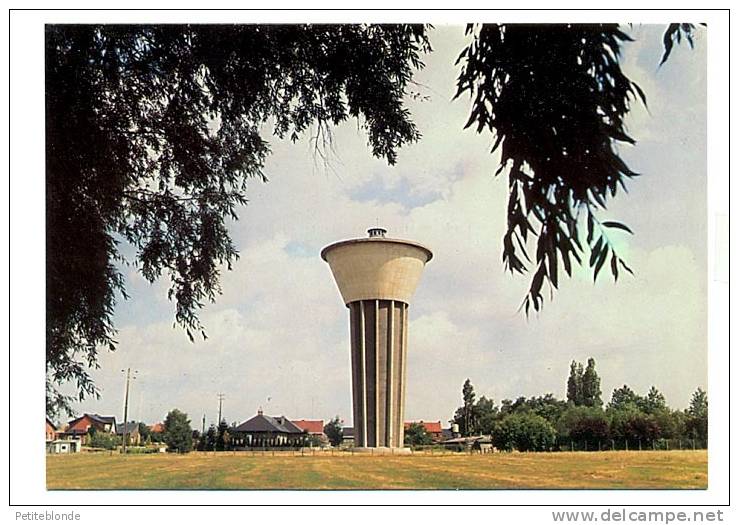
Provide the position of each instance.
(157, 427)
(312, 426)
(432, 427)
(83, 423)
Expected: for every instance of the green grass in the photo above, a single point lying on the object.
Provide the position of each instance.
(563, 470)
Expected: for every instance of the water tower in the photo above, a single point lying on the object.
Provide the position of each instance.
(376, 277)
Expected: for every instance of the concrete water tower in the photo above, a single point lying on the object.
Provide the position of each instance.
(376, 277)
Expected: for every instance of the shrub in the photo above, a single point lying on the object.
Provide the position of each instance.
(524, 432)
(104, 440)
(584, 424)
(416, 435)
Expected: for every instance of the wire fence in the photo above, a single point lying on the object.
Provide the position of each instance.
(441, 450)
(454, 450)
(632, 444)
(328, 452)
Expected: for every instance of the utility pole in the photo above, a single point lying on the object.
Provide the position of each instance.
(125, 406)
(203, 425)
(220, 407)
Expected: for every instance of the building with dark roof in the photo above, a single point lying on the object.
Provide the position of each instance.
(347, 437)
(263, 431)
(131, 429)
(81, 426)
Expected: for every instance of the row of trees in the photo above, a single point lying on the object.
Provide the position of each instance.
(215, 438)
(541, 423)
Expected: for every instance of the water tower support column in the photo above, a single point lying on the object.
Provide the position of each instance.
(379, 349)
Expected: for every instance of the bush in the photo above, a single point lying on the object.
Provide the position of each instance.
(584, 424)
(334, 432)
(416, 435)
(524, 432)
(635, 426)
(141, 450)
(104, 440)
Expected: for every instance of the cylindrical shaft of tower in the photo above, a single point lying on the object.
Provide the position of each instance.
(379, 349)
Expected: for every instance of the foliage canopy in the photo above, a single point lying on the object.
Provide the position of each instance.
(334, 431)
(416, 435)
(152, 134)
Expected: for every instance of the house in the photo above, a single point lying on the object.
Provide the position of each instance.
(132, 430)
(347, 437)
(157, 428)
(433, 428)
(50, 430)
(80, 427)
(64, 446)
(314, 428)
(268, 431)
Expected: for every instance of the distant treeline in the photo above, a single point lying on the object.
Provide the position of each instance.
(628, 421)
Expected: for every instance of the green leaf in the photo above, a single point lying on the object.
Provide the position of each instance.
(614, 267)
(590, 228)
(537, 281)
(601, 260)
(618, 225)
(667, 42)
(567, 263)
(595, 252)
(552, 263)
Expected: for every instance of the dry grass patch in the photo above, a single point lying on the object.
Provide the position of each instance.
(571, 470)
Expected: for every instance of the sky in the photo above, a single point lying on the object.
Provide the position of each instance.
(278, 336)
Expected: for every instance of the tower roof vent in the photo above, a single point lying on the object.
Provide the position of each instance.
(377, 232)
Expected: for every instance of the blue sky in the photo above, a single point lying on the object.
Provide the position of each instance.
(278, 336)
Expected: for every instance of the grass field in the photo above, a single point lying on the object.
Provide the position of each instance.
(578, 470)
